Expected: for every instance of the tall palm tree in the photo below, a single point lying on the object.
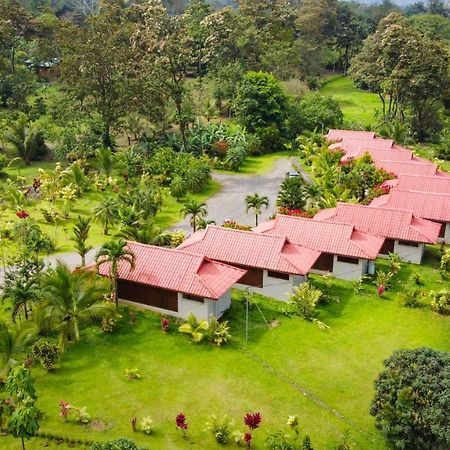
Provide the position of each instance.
(112, 253)
(106, 214)
(149, 234)
(24, 139)
(13, 342)
(20, 293)
(196, 210)
(72, 299)
(81, 234)
(256, 202)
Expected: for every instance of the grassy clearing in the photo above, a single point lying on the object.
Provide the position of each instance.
(293, 368)
(358, 106)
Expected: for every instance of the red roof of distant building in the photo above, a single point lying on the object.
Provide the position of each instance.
(437, 184)
(250, 249)
(409, 168)
(390, 223)
(429, 205)
(329, 237)
(339, 135)
(178, 271)
(352, 146)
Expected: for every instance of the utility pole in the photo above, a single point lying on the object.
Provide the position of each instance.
(246, 315)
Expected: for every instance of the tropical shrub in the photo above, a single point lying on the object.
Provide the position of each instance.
(83, 415)
(412, 296)
(47, 353)
(319, 112)
(229, 223)
(220, 428)
(116, 444)
(253, 420)
(292, 195)
(395, 263)
(219, 332)
(407, 410)
(147, 425)
(108, 324)
(132, 374)
(445, 263)
(195, 328)
(440, 301)
(304, 300)
(3, 165)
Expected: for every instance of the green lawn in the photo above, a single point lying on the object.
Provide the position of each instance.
(357, 105)
(326, 377)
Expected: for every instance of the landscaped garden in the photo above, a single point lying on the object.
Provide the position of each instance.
(288, 367)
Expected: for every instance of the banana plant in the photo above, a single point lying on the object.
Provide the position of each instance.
(196, 328)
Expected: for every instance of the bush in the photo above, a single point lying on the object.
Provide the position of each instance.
(132, 374)
(411, 405)
(445, 263)
(304, 300)
(117, 444)
(412, 296)
(219, 331)
(3, 165)
(220, 428)
(147, 425)
(269, 139)
(318, 112)
(441, 301)
(292, 195)
(47, 354)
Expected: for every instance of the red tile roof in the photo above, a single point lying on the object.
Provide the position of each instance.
(429, 205)
(178, 271)
(389, 223)
(250, 249)
(329, 237)
(423, 184)
(408, 168)
(339, 135)
(353, 145)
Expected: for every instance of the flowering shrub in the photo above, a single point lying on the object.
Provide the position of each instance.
(83, 415)
(248, 439)
(253, 421)
(181, 423)
(165, 324)
(147, 425)
(238, 437)
(132, 374)
(294, 212)
(64, 409)
(230, 223)
(380, 290)
(292, 421)
(22, 214)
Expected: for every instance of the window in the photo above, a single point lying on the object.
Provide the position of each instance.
(346, 259)
(194, 298)
(408, 243)
(280, 275)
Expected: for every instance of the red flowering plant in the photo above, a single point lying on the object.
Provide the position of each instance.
(64, 409)
(181, 423)
(381, 290)
(295, 212)
(248, 439)
(22, 214)
(253, 421)
(165, 324)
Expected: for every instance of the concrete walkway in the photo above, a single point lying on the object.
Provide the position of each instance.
(229, 202)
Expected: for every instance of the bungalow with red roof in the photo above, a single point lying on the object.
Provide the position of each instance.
(413, 167)
(428, 205)
(405, 234)
(346, 252)
(438, 184)
(339, 135)
(175, 282)
(273, 263)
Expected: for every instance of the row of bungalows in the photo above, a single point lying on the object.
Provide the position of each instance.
(419, 187)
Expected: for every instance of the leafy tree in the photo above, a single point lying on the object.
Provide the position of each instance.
(81, 234)
(113, 253)
(71, 299)
(196, 211)
(292, 195)
(256, 202)
(412, 399)
(318, 112)
(13, 341)
(23, 422)
(261, 102)
(26, 140)
(106, 213)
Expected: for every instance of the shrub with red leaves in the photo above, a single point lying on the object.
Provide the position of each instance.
(22, 214)
(294, 212)
(248, 439)
(165, 323)
(180, 422)
(64, 409)
(253, 420)
(381, 290)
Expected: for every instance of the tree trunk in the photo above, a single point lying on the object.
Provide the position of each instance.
(114, 291)
(105, 230)
(256, 217)
(106, 136)
(83, 259)
(23, 443)
(25, 310)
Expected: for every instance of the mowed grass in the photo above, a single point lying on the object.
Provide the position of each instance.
(61, 231)
(326, 377)
(358, 106)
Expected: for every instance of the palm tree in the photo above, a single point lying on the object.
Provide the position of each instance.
(13, 342)
(81, 234)
(75, 175)
(72, 299)
(112, 253)
(149, 234)
(106, 213)
(105, 161)
(25, 140)
(196, 210)
(20, 293)
(256, 202)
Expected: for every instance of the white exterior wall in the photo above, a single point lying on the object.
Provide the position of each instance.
(346, 271)
(446, 238)
(409, 253)
(201, 311)
(274, 287)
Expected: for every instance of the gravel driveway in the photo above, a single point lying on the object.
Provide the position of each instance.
(229, 202)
